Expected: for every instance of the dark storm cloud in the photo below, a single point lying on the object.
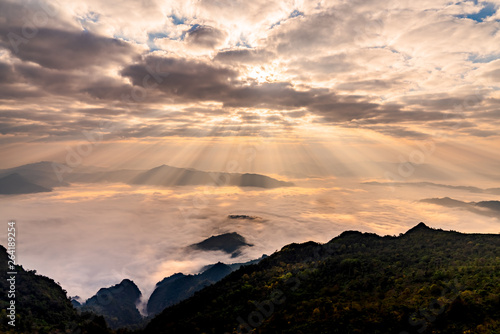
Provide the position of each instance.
(36, 34)
(481, 133)
(105, 88)
(60, 59)
(296, 114)
(51, 56)
(34, 129)
(280, 95)
(453, 124)
(188, 80)
(338, 111)
(189, 130)
(369, 85)
(42, 124)
(30, 80)
(67, 50)
(61, 82)
(390, 114)
(101, 111)
(11, 87)
(17, 92)
(442, 102)
(34, 115)
(206, 111)
(205, 36)
(399, 132)
(418, 116)
(243, 56)
(250, 118)
(6, 73)
(491, 110)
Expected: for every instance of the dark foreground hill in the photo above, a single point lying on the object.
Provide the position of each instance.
(178, 287)
(41, 305)
(425, 281)
(117, 304)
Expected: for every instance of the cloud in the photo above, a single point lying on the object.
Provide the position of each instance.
(244, 56)
(187, 80)
(67, 50)
(164, 221)
(187, 68)
(6, 73)
(316, 89)
(205, 37)
(55, 47)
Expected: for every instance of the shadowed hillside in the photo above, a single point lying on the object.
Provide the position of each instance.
(425, 281)
(117, 304)
(42, 306)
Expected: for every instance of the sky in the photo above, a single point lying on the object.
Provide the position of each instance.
(329, 95)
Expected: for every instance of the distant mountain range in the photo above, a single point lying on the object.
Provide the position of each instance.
(485, 208)
(45, 175)
(495, 191)
(172, 176)
(16, 184)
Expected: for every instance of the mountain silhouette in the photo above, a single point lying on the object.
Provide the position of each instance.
(41, 173)
(178, 287)
(16, 184)
(227, 242)
(51, 174)
(117, 304)
(355, 283)
(424, 281)
(172, 176)
(41, 304)
(484, 208)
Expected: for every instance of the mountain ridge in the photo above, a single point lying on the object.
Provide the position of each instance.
(117, 304)
(41, 305)
(15, 184)
(356, 282)
(48, 175)
(230, 243)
